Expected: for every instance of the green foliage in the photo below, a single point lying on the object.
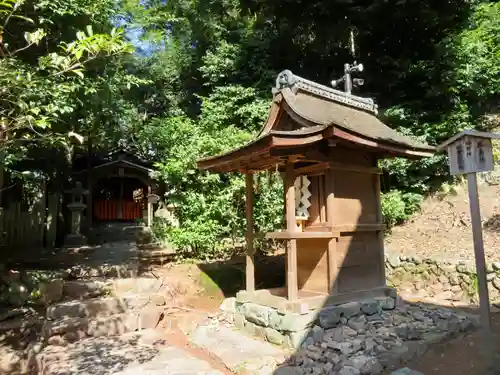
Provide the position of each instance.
(200, 86)
(397, 206)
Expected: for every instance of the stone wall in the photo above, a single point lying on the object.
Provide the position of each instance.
(292, 329)
(360, 337)
(440, 280)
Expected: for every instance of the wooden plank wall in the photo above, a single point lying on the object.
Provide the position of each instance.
(22, 228)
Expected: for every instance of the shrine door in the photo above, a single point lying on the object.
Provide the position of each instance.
(119, 199)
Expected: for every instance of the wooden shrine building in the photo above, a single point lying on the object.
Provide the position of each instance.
(326, 143)
(118, 183)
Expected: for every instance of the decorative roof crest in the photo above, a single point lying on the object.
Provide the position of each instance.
(286, 79)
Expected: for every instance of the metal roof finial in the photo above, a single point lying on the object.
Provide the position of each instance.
(349, 82)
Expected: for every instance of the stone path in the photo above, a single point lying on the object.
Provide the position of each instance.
(237, 351)
(138, 353)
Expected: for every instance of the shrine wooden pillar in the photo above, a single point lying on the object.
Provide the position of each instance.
(380, 234)
(291, 226)
(250, 266)
(333, 267)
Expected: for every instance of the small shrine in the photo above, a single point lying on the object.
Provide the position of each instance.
(326, 142)
(119, 185)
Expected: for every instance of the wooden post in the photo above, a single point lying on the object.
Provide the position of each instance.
(250, 266)
(380, 234)
(291, 226)
(333, 268)
(52, 213)
(120, 200)
(477, 235)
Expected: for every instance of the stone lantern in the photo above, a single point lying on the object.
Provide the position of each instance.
(75, 238)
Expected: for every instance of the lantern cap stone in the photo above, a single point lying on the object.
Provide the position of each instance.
(467, 133)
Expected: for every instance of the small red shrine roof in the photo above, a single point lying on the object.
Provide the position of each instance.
(303, 113)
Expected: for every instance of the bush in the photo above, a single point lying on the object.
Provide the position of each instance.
(397, 207)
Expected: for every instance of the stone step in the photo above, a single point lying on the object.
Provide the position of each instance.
(103, 307)
(96, 355)
(144, 352)
(240, 353)
(138, 285)
(91, 308)
(83, 289)
(71, 329)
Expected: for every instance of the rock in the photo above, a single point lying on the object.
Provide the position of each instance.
(10, 363)
(393, 261)
(370, 307)
(453, 279)
(349, 309)
(496, 266)
(317, 334)
(386, 303)
(406, 371)
(443, 279)
(292, 322)
(275, 319)
(369, 345)
(296, 339)
(344, 347)
(348, 370)
(257, 314)
(250, 328)
(335, 334)
(62, 326)
(445, 295)
(114, 325)
(374, 318)
(418, 315)
(357, 323)
(328, 318)
(52, 291)
(496, 283)
(408, 332)
(287, 370)
(465, 268)
(365, 364)
(98, 307)
(56, 341)
(274, 337)
(229, 305)
(77, 289)
(490, 276)
(239, 321)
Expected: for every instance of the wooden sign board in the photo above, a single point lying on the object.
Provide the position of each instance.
(153, 198)
(470, 152)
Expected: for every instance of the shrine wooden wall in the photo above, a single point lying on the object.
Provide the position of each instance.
(357, 255)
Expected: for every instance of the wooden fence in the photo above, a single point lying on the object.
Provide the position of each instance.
(34, 227)
(22, 228)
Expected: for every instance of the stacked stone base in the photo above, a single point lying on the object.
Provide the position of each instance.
(294, 330)
(355, 338)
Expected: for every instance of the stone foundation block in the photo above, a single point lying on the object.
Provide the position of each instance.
(274, 337)
(257, 314)
(239, 321)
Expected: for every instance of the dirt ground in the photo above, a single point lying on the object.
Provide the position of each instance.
(442, 230)
(461, 356)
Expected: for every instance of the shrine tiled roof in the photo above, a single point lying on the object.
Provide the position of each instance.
(304, 112)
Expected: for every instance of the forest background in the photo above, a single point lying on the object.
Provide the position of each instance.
(182, 79)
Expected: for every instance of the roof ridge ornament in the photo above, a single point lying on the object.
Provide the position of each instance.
(286, 79)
